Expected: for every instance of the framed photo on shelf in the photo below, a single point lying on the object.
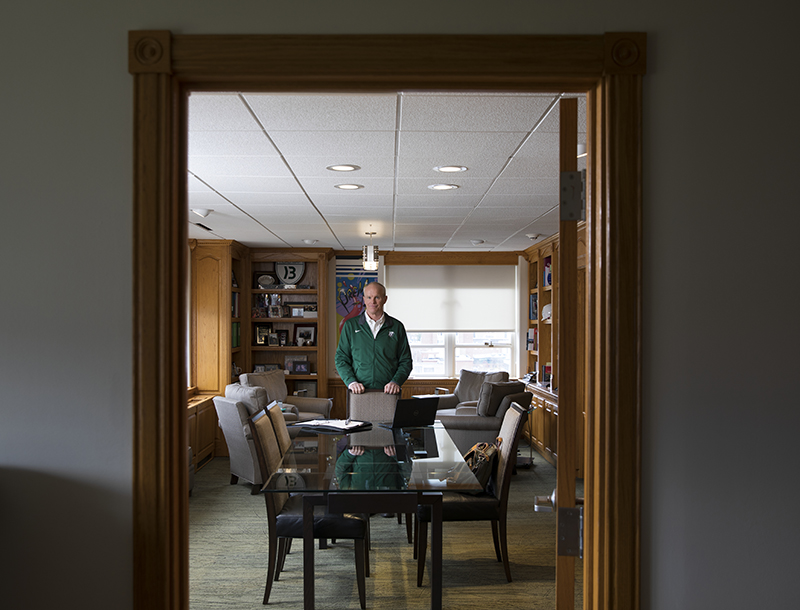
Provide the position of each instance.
(272, 340)
(261, 334)
(305, 334)
(260, 368)
(302, 368)
(283, 337)
(275, 311)
(290, 361)
(271, 367)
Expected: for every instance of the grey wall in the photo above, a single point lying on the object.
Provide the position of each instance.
(720, 213)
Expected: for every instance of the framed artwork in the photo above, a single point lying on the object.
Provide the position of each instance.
(305, 334)
(273, 340)
(261, 334)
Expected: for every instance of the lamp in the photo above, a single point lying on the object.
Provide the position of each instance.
(370, 255)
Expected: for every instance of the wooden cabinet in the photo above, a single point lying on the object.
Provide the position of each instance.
(217, 332)
(202, 427)
(287, 302)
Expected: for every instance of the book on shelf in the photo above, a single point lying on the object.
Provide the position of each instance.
(533, 339)
(236, 334)
(533, 307)
(234, 304)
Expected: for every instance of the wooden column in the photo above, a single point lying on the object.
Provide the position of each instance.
(160, 469)
(613, 492)
(567, 353)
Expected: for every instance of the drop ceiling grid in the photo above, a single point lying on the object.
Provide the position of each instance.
(229, 151)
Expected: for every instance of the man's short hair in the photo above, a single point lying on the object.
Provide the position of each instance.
(376, 283)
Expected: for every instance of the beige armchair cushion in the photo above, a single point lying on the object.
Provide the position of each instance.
(470, 383)
(493, 393)
(254, 398)
(274, 382)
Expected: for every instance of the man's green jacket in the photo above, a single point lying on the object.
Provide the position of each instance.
(376, 361)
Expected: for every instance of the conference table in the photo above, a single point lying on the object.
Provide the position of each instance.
(373, 471)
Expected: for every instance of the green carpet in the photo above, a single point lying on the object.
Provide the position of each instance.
(228, 555)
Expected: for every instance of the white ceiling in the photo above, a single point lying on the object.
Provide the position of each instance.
(259, 162)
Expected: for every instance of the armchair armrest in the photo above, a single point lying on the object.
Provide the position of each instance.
(309, 404)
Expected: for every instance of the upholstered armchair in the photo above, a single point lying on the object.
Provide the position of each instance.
(467, 389)
(234, 411)
(296, 407)
(480, 421)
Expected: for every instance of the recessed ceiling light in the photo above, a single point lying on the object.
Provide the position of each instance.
(442, 187)
(310, 242)
(349, 187)
(343, 168)
(477, 242)
(202, 211)
(450, 168)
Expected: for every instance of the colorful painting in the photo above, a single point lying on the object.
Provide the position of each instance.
(350, 281)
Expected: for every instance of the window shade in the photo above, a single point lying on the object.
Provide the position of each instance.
(452, 298)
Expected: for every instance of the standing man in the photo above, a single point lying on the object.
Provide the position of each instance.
(373, 350)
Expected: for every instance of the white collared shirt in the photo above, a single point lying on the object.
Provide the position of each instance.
(375, 325)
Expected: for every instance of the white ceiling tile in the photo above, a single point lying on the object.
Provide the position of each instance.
(323, 112)
(348, 146)
(326, 184)
(525, 186)
(448, 199)
(219, 112)
(230, 143)
(250, 184)
(360, 199)
(449, 146)
(238, 166)
(479, 112)
(258, 200)
(371, 167)
(466, 186)
(520, 201)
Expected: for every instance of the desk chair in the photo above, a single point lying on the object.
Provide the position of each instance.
(377, 406)
(491, 507)
(285, 512)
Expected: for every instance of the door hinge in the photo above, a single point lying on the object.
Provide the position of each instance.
(573, 195)
(570, 532)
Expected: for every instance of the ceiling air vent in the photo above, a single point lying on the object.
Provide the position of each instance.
(202, 226)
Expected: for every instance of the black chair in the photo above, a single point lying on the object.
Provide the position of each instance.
(285, 511)
(485, 506)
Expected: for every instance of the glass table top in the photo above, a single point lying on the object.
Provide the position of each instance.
(408, 459)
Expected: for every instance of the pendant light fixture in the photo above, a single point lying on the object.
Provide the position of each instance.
(370, 254)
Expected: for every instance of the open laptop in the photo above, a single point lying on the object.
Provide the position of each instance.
(413, 413)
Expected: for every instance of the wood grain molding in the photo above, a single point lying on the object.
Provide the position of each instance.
(625, 53)
(166, 68)
(150, 52)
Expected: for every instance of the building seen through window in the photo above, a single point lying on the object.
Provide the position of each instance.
(445, 354)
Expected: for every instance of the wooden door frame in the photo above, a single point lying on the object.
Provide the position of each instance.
(609, 68)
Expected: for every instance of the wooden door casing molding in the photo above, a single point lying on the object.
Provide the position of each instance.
(608, 67)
